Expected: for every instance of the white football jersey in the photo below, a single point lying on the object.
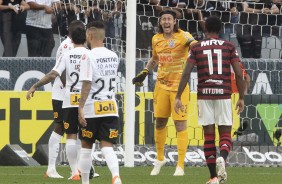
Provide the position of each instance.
(70, 62)
(101, 69)
(58, 89)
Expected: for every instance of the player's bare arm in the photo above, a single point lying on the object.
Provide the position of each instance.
(247, 83)
(240, 85)
(49, 77)
(183, 83)
(24, 6)
(86, 86)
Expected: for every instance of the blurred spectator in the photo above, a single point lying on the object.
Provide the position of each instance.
(147, 25)
(108, 14)
(269, 18)
(179, 7)
(198, 11)
(40, 40)
(146, 22)
(64, 16)
(88, 11)
(175, 5)
(229, 15)
(252, 20)
(13, 22)
(121, 14)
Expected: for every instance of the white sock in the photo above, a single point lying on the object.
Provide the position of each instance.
(53, 145)
(84, 164)
(111, 159)
(78, 147)
(71, 151)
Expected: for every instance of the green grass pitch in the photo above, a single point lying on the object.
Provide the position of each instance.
(140, 175)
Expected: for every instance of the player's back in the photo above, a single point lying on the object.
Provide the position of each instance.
(106, 61)
(72, 65)
(100, 67)
(70, 62)
(213, 57)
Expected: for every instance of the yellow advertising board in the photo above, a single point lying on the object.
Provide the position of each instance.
(24, 122)
(29, 123)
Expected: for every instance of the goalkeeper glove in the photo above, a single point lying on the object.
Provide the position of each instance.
(138, 80)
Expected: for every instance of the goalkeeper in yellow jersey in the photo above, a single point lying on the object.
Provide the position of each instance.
(170, 51)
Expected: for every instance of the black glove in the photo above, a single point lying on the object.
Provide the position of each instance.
(138, 80)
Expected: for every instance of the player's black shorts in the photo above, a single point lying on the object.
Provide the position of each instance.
(71, 122)
(103, 128)
(57, 110)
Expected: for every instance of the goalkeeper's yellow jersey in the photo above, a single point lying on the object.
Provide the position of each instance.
(172, 54)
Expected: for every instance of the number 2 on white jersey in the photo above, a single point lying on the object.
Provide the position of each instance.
(218, 52)
(102, 81)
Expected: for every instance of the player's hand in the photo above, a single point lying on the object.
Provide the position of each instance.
(81, 118)
(30, 92)
(138, 80)
(12, 7)
(22, 8)
(178, 105)
(240, 106)
(48, 9)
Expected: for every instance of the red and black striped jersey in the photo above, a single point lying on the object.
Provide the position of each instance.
(213, 57)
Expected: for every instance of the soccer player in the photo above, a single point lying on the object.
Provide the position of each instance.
(213, 58)
(70, 63)
(170, 51)
(98, 111)
(58, 92)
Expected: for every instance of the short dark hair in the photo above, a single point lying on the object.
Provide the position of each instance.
(171, 12)
(213, 24)
(97, 24)
(74, 25)
(78, 35)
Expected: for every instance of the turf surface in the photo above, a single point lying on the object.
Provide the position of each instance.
(140, 175)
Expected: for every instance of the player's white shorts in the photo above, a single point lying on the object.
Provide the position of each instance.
(215, 112)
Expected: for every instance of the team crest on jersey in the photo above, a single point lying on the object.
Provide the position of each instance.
(66, 125)
(86, 133)
(65, 46)
(171, 43)
(113, 133)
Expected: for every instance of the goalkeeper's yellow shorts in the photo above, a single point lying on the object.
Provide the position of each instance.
(164, 103)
